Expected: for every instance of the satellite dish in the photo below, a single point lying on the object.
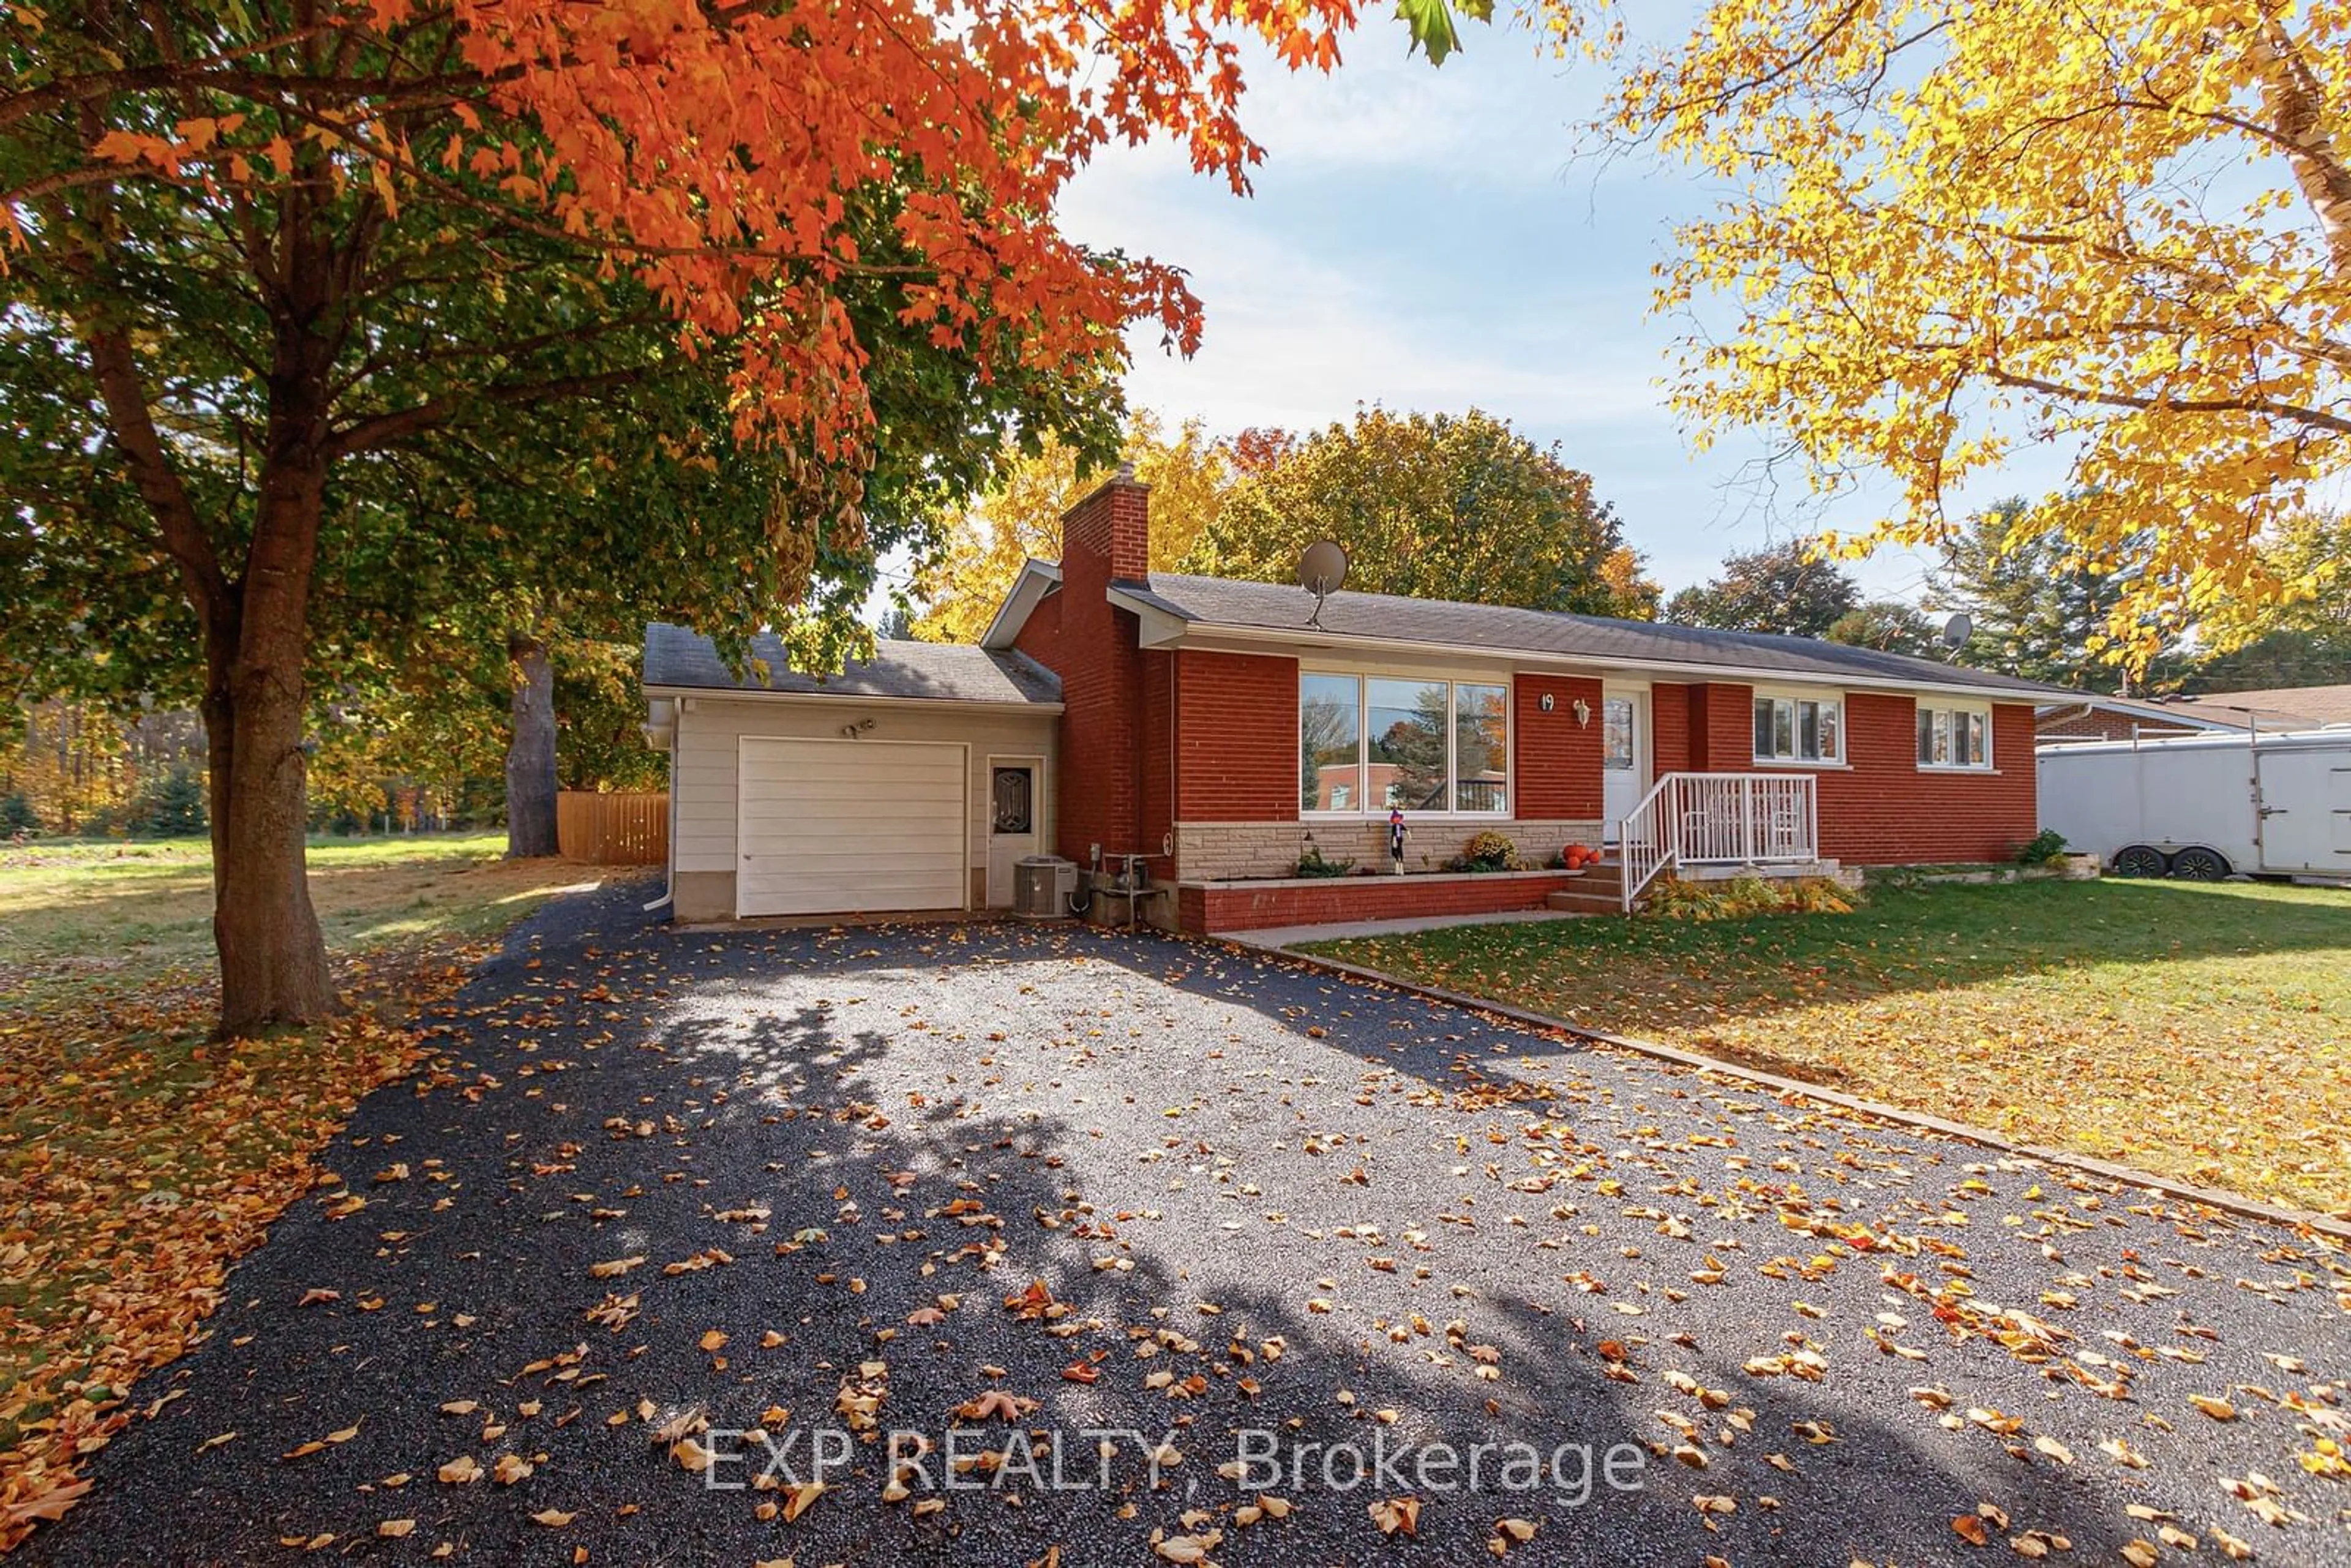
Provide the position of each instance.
(1322, 571)
(1958, 630)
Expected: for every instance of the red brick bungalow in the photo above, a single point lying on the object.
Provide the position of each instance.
(1206, 725)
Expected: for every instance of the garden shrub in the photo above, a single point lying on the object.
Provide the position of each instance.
(1488, 851)
(2043, 848)
(1821, 895)
(1312, 863)
(1743, 896)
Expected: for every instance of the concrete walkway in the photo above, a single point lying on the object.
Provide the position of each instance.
(1274, 937)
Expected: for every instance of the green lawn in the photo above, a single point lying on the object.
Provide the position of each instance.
(2203, 1032)
(78, 919)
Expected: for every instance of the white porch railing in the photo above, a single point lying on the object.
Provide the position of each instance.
(1718, 818)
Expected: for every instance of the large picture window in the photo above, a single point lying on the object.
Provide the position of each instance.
(1952, 736)
(1370, 743)
(1799, 729)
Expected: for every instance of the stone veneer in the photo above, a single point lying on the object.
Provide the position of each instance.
(1207, 851)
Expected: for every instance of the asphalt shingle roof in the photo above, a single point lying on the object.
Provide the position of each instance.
(2311, 705)
(938, 672)
(1224, 601)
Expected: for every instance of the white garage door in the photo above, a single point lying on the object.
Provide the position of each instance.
(827, 826)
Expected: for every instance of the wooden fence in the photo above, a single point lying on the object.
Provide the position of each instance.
(612, 830)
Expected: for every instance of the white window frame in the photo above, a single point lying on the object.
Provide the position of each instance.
(1370, 811)
(1951, 707)
(1794, 695)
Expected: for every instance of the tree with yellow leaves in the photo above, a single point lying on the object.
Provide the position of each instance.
(1431, 505)
(1020, 517)
(1960, 231)
(2303, 642)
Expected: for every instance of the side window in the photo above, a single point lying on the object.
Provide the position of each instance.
(1954, 736)
(1799, 729)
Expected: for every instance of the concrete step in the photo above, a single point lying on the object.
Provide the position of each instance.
(1587, 901)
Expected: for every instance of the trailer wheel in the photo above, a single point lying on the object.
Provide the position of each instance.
(2198, 863)
(2141, 859)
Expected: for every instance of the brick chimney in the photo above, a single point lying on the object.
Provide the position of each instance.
(1113, 524)
(1105, 539)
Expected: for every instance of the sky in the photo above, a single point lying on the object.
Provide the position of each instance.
(1432, 239)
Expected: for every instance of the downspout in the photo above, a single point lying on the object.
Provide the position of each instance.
(669, 853)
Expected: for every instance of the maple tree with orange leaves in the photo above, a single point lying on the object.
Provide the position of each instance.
(268, 262)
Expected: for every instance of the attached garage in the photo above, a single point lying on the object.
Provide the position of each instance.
(911, 782)
(824, 825)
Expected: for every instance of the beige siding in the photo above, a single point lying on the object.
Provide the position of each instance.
(708, 756)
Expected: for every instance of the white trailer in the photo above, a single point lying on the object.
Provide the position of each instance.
(2205, 806)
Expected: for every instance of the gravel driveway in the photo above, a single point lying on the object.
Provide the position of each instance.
(676, 1203)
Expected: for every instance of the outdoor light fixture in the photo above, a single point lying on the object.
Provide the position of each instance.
(1582, 713)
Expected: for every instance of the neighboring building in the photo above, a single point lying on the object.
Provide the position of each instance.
(2089, 718)
(2277, 708)
(1205, 724)
(2125, 719)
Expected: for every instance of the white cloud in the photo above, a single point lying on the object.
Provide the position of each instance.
(1299, 338)
(1486, 114)
(1427, 239)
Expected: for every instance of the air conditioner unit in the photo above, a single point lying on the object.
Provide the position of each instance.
(1042, 886)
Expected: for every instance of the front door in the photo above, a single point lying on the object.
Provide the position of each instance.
(1623, 754)
(1015, 822)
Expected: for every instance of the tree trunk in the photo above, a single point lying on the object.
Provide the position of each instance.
(273, 957)
(531, 750)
